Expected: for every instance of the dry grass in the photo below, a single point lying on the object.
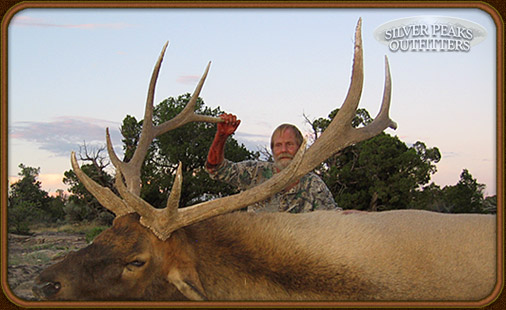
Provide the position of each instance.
(75, 228)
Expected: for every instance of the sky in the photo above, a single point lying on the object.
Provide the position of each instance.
(74, 72)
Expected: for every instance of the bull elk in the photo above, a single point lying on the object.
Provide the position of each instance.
(208, 252)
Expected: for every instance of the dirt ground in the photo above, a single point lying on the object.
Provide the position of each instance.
(29, 255)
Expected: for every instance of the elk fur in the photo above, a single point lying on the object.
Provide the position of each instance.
(324, 255)
(394, 255)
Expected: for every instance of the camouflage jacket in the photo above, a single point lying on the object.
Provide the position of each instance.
(309, 194)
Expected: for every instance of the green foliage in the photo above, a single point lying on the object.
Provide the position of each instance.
(428, 198)
(466, 196)
(92, 233)
(130, 130)
(382, 172)
(75, 212)
(29, 204)
(19, 217)
(490, 204)
(28, 188)
(82, 206)
(55, 208)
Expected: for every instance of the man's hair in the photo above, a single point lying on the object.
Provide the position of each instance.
(281, 128)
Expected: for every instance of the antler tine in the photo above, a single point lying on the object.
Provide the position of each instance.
(349, 107)
(103, 194)
(336, 135)
(147, 133)
(175, 193)
(382, 120)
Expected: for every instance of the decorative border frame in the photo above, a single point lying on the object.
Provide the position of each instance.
(10, 8)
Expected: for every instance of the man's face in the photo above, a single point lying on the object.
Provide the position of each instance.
(284, 148)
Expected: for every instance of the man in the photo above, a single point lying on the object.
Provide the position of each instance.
(308, 194)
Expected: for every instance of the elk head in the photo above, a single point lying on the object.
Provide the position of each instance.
(135, 256)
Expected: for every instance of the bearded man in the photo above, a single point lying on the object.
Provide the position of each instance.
(308, 194)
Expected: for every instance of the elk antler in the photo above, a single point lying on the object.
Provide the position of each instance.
(163, 222)
(340, 133)
(132, 170)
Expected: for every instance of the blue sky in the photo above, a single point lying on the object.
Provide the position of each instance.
(74, 72)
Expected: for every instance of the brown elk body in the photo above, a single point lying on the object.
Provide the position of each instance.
(203, 253)
(324, 255)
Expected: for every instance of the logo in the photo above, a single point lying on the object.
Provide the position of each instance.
(430, 34)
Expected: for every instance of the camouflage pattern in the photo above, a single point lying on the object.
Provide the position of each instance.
(309, 194)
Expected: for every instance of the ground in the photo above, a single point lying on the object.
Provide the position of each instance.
(29, 255)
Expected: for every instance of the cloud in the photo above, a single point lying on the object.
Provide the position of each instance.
(65, 134)
(252, 142)
(188, 79)
(252, 136)
(28, 21)
(449, 155)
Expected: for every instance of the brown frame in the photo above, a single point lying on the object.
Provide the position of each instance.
(493, 301)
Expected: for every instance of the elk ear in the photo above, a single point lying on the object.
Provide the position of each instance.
(187, 282)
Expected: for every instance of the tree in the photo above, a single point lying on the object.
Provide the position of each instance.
(490, 204)
(28, 188)
(29, 204)
(381, 173)
(466, 196)
(430, 198)
(81, 204)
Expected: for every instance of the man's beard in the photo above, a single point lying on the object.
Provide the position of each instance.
(283, 160)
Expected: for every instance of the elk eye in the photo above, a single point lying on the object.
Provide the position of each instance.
(136, 263)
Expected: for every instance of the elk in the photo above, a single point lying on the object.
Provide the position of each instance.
(208, 252)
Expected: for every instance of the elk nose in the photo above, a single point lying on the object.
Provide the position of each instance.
(46, 290)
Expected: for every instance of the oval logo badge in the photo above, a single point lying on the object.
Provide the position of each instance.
(430, 34)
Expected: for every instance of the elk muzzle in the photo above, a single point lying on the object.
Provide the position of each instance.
(46, 290)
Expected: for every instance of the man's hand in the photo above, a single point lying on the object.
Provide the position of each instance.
(229, 125)
(216, 153)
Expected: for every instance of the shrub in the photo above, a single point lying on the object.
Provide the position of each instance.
(92, 233)
(19, 217)
(75, 212)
